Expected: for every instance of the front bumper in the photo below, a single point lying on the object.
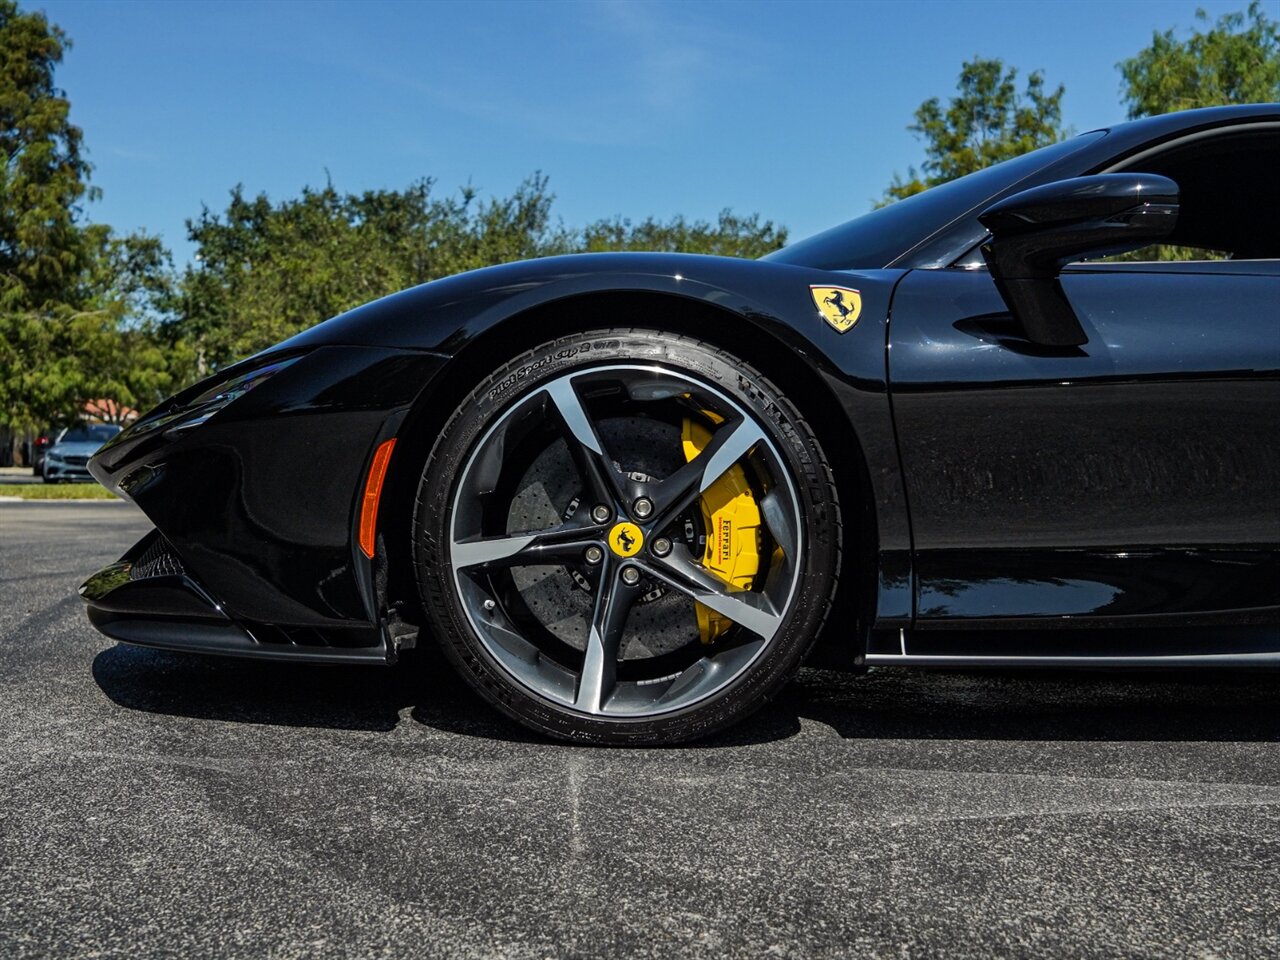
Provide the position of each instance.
(149, 598)
(261, 501)
(59, 470)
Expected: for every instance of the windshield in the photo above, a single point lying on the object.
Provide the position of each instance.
(882, 236)
(89, 433)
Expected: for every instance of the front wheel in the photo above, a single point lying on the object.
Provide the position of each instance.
(627, 537)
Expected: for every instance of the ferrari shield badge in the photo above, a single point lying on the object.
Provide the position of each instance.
(839, 306)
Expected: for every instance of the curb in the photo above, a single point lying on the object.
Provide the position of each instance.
(60, 500)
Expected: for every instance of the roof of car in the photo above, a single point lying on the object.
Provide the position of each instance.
(1135, 133)
(935, 236)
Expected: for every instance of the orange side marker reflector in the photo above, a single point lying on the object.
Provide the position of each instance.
(372, 491)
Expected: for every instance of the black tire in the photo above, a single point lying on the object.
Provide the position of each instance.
(790, 436)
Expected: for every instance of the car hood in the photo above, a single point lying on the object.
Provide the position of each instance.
(74, 449)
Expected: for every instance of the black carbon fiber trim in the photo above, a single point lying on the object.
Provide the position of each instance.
(158, 560)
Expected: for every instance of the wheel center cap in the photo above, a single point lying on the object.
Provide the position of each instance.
(625, 539)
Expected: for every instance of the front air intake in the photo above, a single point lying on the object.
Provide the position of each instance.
(158, 560)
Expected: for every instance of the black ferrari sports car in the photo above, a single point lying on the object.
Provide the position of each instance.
(628, 493)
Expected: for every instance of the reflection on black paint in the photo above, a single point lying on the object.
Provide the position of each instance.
(1138, 476)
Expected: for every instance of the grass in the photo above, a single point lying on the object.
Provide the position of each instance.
(56, 491)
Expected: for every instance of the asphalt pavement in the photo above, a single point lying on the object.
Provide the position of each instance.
(156, 805)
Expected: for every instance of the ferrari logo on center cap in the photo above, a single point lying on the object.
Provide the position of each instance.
(839, 306)
(625, 539)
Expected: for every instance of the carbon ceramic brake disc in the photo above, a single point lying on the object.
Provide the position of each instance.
(663, 621)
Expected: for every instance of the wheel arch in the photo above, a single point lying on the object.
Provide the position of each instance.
(764, 349)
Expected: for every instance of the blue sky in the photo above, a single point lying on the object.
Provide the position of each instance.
(794, 110)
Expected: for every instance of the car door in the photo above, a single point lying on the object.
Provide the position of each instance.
(1135, 478)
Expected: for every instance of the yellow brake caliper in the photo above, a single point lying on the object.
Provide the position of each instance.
(731, 518)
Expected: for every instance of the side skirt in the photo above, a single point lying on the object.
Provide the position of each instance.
(1145, 647)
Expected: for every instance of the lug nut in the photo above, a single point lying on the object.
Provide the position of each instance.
(594, 554)
(662, 546)
(600, 513)
(642, 508)
(630, 576)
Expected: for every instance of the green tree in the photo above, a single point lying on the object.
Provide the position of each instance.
(43, 175)
(266, 270)
(124, 341)
(729, 236)
(77, 303)
(988, 121)
(1236, 60)
(108, 342)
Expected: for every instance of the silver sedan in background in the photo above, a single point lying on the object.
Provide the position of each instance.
(70, 451)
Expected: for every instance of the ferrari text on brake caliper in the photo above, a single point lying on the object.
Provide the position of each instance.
(731, 519)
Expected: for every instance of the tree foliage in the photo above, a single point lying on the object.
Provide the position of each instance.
(1236, 60)
(730, 236)
(987, 121)
(42, 252)
(105, 342)
(266, 270)
(43, 175)
(76, 302)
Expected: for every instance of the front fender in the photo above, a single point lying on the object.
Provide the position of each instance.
(773, 302)
(445, 315)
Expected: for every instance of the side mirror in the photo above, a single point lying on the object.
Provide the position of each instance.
(1036, 232)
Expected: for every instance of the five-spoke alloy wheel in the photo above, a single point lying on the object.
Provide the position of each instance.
(627, 537)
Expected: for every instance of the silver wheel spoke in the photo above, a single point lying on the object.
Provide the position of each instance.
(549, 546)
(600, 663)
(751, 610)
(781, 523)
(728, 445)
(574, 415)
(584, 443)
